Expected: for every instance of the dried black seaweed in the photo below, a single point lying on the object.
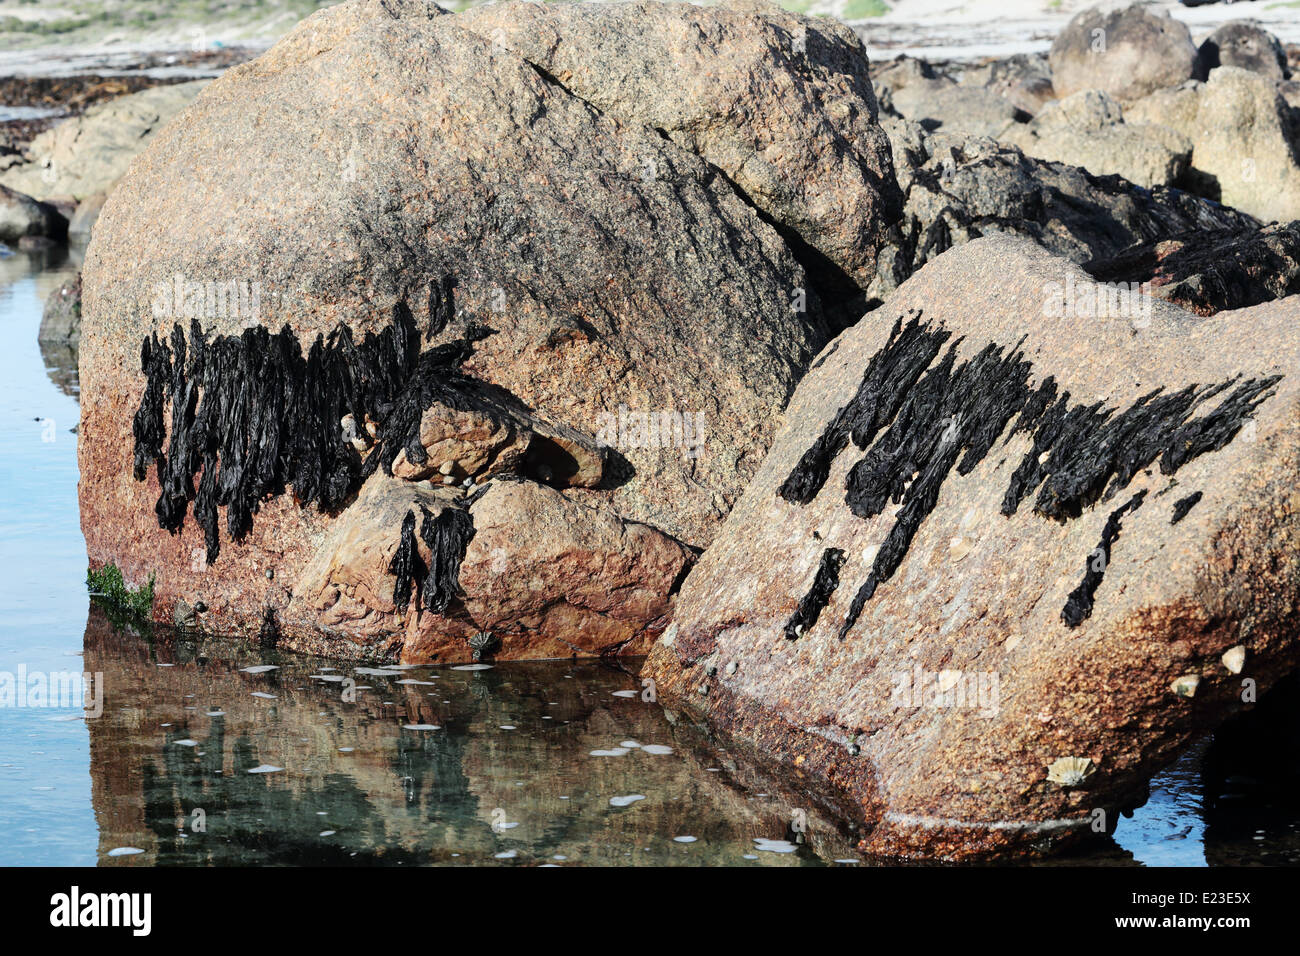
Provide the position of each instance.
(447, 537)
(917, 420)
(406, 565)
(1184, 505)
(818, 596)
(1078, 606)
(255, 415)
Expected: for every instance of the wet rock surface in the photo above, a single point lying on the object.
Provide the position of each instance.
(489, 285)
(1015, 636)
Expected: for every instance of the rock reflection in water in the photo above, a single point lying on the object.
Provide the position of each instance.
(181, 731)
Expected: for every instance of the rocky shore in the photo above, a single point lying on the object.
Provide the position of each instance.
(900, 409)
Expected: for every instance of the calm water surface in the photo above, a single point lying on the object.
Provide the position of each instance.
(198, 760)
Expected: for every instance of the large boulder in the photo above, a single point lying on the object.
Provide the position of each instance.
(957, 189)
(419, 231)
(1126, 51)
(1245, 140)
(1087, 129)
(86, 154)
(1021, 540)
(781, 104)
(1246, 45)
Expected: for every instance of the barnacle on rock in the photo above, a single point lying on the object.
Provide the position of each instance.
(1071, 771)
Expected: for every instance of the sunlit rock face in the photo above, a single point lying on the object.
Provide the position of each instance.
(424, 257)
(1017, 545)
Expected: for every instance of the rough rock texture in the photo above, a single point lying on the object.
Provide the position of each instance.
(549, 577)
(1016, 636)
(1024, 79)
(780, 103)
(1245, 140)
(408, 184)
(960, 189)
(1087, 129)
(914, 90)
(1127, 52)
(21, 217)
(495, 434)
(1208, 271)
(88, 153)
(61, 320)
(1246, 45)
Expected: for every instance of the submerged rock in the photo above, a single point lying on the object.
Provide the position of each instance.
(486, 271)
(1011, 589)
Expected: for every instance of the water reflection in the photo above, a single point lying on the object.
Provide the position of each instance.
(508, 776)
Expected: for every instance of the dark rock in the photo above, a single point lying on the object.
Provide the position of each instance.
(960, 189)
(1210, 270)
(1246, 45)
(23, 218)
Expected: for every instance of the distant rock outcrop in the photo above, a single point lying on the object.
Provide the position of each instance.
(87, 154)
(957, 189)
(1127, 52)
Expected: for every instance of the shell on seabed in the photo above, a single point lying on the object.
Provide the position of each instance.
(1186, 685)
(1234, 659)
(1071, 771)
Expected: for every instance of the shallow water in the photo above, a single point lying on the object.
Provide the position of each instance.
(295, 762)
